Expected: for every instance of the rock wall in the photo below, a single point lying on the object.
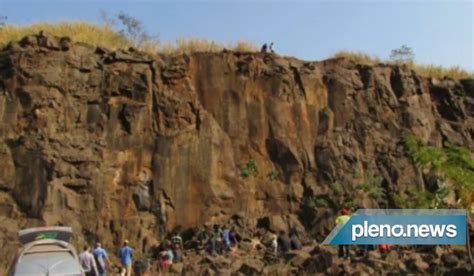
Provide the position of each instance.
(124, 144)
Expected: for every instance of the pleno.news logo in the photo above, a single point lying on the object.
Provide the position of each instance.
(401, 226)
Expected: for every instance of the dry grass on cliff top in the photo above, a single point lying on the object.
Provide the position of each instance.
(77, 31)
(190, 45)
(426, 70)
(107, 36)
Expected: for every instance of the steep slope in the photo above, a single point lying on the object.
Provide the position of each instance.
(123, 144)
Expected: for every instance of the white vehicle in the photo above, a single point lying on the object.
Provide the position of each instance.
(46, 251)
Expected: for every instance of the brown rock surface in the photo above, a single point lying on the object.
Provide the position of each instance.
(116, 143)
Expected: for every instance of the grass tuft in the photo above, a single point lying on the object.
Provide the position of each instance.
(358, 57)
(190, 45)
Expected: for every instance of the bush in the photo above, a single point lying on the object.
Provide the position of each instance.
(450, 163)
(416, 198)
(249, 169)
(372, 185)
(404, 54)
(273, 175)
(337, 188)
(319, 202)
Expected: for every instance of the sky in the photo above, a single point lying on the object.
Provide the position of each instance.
(438, 31)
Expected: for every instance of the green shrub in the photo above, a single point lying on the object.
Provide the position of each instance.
(449, 163)
(337, 188)
(249, 169)
(372, 185)
(273, 175)
(320, 202)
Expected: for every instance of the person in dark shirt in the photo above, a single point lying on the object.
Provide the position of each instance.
(284, 243)
(295, 242)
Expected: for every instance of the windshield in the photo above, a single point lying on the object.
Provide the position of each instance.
(52, 263)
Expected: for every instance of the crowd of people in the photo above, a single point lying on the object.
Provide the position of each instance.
(215, 241)
(220, 240)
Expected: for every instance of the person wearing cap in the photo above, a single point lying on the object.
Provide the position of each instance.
(125, 255)
(344, 216)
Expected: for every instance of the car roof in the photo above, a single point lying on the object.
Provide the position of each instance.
(48, 263)
(61, 233)
(47, 257)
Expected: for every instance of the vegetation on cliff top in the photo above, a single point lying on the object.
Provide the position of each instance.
(426, 70)
(107, 36)
(130, 33)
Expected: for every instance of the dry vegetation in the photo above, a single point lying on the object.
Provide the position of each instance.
(189, 45)
(429, 70)
(358, 57)
(77, 31)
(107, 36)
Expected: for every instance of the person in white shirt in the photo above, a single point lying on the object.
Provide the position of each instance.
(275, 244)
(87, 262)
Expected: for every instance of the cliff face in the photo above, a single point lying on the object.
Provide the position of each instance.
(116, 144)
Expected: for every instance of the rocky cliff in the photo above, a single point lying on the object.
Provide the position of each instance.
(124, 144)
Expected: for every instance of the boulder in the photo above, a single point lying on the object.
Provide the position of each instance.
(450, 260)
(141, 197)
(418, 263)
(438, 251)
(318, 263)
(392, 257)
(251, 267)
(297, 257)
(277, 224)
(374, 254)
(276, 269)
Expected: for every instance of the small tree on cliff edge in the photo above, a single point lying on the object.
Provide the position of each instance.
(129, 27)
(133, 29)
(404, 54)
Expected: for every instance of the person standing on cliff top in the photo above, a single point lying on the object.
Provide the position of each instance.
(125, 255)
(271, 48)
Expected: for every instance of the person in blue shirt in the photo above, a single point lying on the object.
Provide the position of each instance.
(101, 259)
(125, 255)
